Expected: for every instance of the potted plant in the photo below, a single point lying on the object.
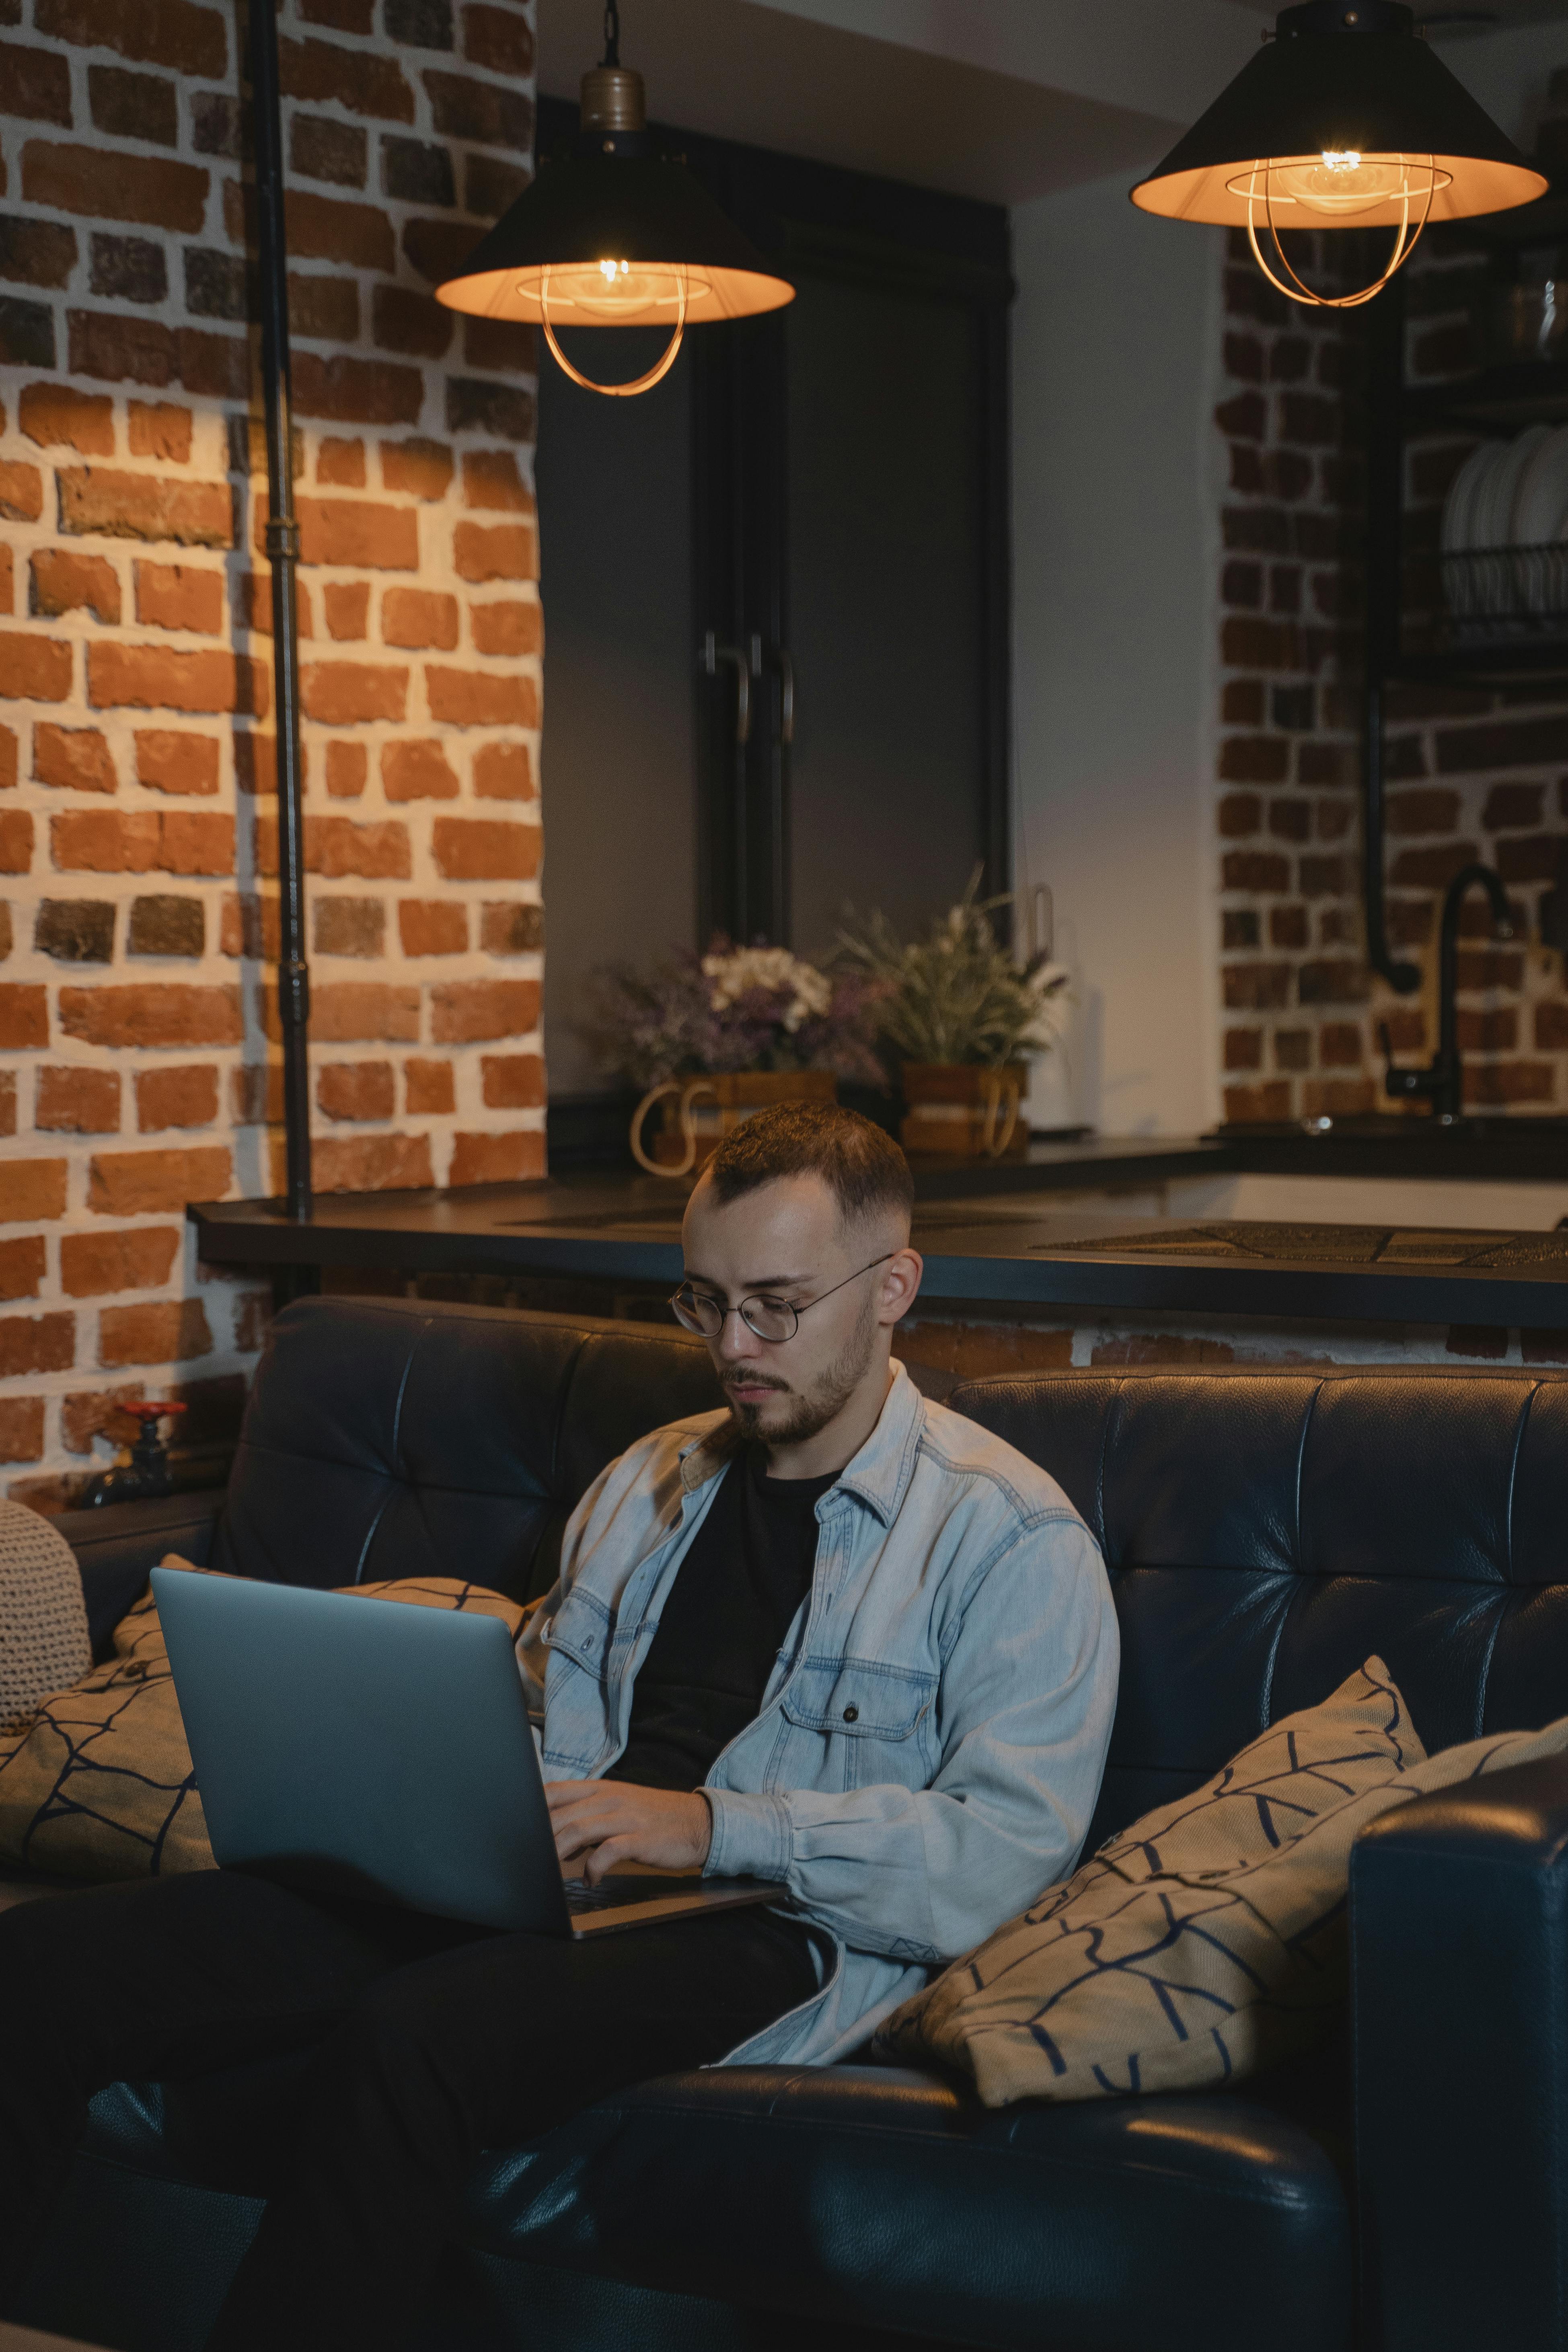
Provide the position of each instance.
(959, 1013)
(712, 1038)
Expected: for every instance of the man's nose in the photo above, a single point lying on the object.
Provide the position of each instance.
(735, 1338)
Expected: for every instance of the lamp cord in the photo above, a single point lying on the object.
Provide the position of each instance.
(612, 55)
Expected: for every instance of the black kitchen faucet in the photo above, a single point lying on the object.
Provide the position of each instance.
(1442, 1079)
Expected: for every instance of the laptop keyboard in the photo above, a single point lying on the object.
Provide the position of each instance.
(614, 1894)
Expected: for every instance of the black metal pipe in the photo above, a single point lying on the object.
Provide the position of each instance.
(1405, 978)
(282, 541)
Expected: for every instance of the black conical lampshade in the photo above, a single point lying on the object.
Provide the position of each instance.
(613, 234)
(1345, 120)
(603, 229)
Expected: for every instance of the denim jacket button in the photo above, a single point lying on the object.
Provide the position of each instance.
(851, 1714)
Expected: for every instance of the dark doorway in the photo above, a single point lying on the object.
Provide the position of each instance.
(775, 599)
(618, 766)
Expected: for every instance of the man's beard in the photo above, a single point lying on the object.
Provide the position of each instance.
(810, 1410)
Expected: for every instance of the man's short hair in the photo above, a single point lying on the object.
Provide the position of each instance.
(859, 1163)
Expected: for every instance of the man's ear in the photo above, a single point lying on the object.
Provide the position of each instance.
(900, 1285)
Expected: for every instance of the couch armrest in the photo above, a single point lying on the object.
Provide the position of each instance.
(1459, 2005)
(117, 1546)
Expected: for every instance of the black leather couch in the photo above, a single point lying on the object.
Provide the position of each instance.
(1406, 2189)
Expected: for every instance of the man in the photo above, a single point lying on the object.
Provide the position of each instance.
(830, 1634)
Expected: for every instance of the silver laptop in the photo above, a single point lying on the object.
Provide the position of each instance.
(369, 1748)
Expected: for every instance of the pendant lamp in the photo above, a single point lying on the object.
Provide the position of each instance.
(613, 235)
(1345, 120)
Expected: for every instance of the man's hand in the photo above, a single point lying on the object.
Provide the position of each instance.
(610, 1820)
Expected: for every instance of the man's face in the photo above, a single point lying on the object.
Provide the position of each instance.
(786, 1241)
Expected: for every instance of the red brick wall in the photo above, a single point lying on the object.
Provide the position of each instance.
(1470, 774)
(1293, 982)
(138, 824)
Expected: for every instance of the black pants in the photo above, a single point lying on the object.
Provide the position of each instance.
(431, 2042)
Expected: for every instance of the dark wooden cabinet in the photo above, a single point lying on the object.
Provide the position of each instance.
(1496, 618)
(777, 676)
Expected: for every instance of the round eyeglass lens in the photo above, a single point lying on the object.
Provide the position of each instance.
(770, 1319)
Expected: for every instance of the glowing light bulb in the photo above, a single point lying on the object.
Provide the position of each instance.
(1341, 186)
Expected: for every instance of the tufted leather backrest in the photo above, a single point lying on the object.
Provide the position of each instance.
(388, 1438)
(1265, 1531)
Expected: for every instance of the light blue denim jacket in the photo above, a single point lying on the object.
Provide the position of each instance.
(931, 1742)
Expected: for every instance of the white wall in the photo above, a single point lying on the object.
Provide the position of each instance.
(1117, 490)
(1508, 73)
(1118, 485)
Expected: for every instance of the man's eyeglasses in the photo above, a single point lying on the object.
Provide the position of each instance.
(774, 1319)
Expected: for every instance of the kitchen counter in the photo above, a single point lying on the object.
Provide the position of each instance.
(1474, 1150)
(992, 1237)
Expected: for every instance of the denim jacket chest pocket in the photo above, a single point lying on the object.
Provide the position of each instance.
(879, 1721)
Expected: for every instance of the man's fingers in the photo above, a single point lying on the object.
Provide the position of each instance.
(581, 1829)
(621, 1822)
(606, 1814)
(562, 1795)
(612, 1849)
(569, 1841)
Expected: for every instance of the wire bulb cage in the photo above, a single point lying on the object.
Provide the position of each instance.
(642, 296)
(1336, 190)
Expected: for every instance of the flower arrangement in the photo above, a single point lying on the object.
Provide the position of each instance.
(957, 995)
(755, 1008)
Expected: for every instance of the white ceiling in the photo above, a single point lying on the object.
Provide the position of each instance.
(1000, 98)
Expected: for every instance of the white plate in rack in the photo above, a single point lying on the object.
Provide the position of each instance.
(1541, 500)
(1494, 509)
(1458, 508)
(1468, 581)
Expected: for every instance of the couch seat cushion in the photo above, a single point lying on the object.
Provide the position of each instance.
(892, 2196)
(882, 2194)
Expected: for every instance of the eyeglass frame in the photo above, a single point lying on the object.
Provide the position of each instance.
(742, 1305)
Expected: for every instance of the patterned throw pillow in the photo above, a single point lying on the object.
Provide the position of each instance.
(1208, 1939)
(44, 1640)
(99, 1784)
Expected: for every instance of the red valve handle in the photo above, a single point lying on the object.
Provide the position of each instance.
(152, 1413)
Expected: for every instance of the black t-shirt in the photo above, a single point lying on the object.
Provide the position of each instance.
(734, 1600)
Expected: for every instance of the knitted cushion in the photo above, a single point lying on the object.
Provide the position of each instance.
(44, 1641)
(101, 1785)
(1208, 1939)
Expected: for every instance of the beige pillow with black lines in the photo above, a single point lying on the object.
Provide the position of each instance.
(1208, 1940)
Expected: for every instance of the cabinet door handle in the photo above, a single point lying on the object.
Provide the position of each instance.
(786, 680)
(780, 657)
(713, 653)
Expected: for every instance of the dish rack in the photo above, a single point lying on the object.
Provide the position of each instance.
(1493, 592)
